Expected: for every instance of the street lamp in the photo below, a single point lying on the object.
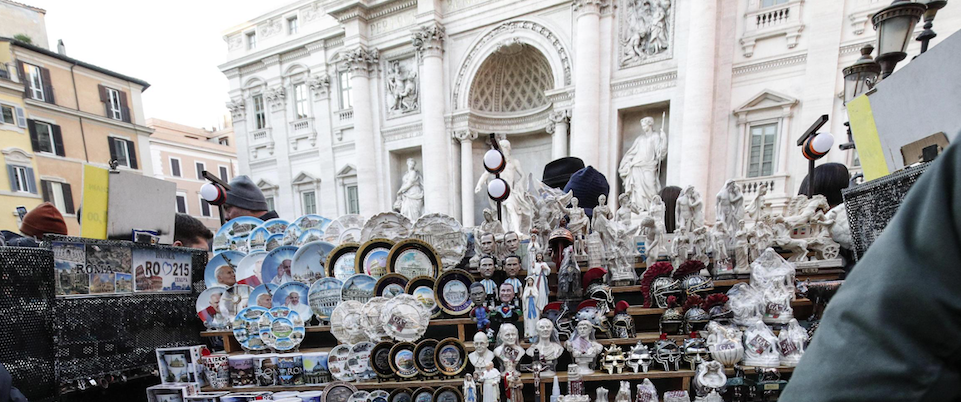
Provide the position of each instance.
(932, 9)
(858, 79)
(895, 24)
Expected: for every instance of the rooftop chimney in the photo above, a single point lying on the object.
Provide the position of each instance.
(61, 48)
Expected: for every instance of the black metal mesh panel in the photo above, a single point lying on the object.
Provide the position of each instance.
(26, 302)
(871, 206)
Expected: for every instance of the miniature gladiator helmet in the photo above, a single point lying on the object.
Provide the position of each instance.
(623, 323)
(657, 285)
(672, 320)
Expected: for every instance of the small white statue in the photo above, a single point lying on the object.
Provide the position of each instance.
(722, 258)
(730, 204)
(646, 392)
(510, 351)
(742, 250)
(517, 206)
(491, 378)
(640, 167)
(702, 244)
(548, 344)
(540, 271)
(602, 224)
(624, 392)
(491, 224)
(578, 224)
(625, 210)
(470, 388)
(724, 343)
(682, 246)
(747, 304)
(797, 247)
(689, 209)
(758, 209)
(791, 343)
(654, 231)
(481, 356)
(583, 348)
(709, 378)
(839, 226)
(601, 395)
(777, 302)
(759, 346)
(529, 304)
(410, 196)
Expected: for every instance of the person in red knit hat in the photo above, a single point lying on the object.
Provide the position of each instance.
(44, 219)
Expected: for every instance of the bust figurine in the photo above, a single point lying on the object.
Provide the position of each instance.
(479, 312)
(583, 348)
(507, 311)
(481, 356)
(547, 343)
(510, 351)
(484, 242)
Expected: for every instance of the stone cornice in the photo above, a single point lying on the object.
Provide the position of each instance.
(770, 64)
(854, 47)
(584, 7)
(402, 132)
(391, 9)
(429, 40)
(644, 84)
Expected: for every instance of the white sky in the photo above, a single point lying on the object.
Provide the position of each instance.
(175, 45)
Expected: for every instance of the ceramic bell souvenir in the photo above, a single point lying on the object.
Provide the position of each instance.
(672, 319)
(724, 343)
(569, 286)
(791, 343)
(583, 348)
(709, 378)
(479, 311)
(759, 346)
(623, 323)
(646, 392)
(624, 392)
(639, 358)
(657, 285)
(481, 354)
(667, 353)
(747, 304)
(613, 360)
(509, 352)
(695, 318)
(601, 395)
(695, 350)
(546, 345)
(575, 381)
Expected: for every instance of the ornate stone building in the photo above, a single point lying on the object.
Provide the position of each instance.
(330, 98)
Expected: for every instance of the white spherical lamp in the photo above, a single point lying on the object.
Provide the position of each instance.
(818, 145)
(498, 189)
(213, 194)
(494, 161)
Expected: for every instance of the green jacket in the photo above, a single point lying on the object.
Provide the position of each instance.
(893, 331)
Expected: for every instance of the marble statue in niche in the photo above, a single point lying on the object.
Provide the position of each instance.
(518, 209)
(401, 87)
(640, 167)
(410, 196)
(646, 32)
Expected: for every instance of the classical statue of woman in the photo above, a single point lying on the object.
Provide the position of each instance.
(410, 196)
(640, 167)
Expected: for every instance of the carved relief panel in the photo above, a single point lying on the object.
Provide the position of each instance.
(646, 31)
(402, 87)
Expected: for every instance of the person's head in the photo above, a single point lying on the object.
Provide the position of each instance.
(481, 341)
(574, 202)
(624, 199)
(506, 292)
(486, 266)
(293, 299)
(545, 330)
(530, 281)
(244, 199)
(487, 243)
(601, 199)
(512, 265)
(264, 300)
(647, 123)
(508, 334)
(43, 219)
(215, 298)
(584, 329)
(478, 294)
(411, 163)
(283, 268)
(225, 275)
(829, 180)
(189, 232)
(512, 241)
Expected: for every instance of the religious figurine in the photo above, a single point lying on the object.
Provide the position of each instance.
(509, 352)
(759, 346)
(652, 227)
(725, 343)
(583, 348)
(540, 271)
(470, 388)
(747, 303)
(777, 303)
(623, 323)
(517, 206)
(491, 224)
(742, 264)
(531, 312)
(512, 266)
(757, 209)
(410, 196)
(601, 393)
(689, 209)
(791, 341)
(486, 269)
(546, 344)
(646, 392)
(479, 312)
(508, 311)
(709, 378)
(514, 386)
(641, 165)
(602, 225)
(722, 260)
(624, 393)
(481, 356)
(640, 358)
(613, 359)
(537, 367)
(730, 204)
(578, 223)
(575, 382)
(491, 378)
(667, 353)
(569, 287)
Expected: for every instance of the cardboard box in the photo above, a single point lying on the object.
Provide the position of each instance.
(172, 392)
(210, 396)
(181, 365)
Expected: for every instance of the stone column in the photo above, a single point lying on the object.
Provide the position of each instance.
(698, 74)
(466, 138)
(558, 124)
(429, 42)
(587, 81)
(360, 62)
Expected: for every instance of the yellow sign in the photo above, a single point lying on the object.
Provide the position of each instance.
(96, 182)
(865, 134)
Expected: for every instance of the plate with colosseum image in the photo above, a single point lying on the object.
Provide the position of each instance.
(445, 234)
(312, 222)
(404, 318)
(282, 329)
(413, 258)
(324, 296)
(372, 257)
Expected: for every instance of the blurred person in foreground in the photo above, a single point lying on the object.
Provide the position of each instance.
(891, 332)
(44, 219)
(190, 232)
(245, 199)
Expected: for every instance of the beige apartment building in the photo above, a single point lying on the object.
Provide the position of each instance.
(181, 153)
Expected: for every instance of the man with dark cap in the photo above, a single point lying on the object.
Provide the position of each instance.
(245, 199)
(190, 232)
(44, 219)
(588, 184)
(558, 171)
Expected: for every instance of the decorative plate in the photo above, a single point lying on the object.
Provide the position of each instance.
(292, 234)
(282, 329)
(371, 322)
(312, 222)
(359, 361)
(402, 360)
(452, 292)
(274, 241)
(386, 225)
(293, 295)
(372, 257)
(341, 263)
(324, 296)
(401, 395)
(257, 240)
(413, 258)
(208, 308)
(446, 235)
(222, 269)
(345, 322)
(310, 262)
(359, 396)
(262, 296)
(451, 357)
(220, 243)
(378, 393)
(422, 288)
(405, 318)
(337, 391)
(359, 287)
(425, 394)
(247, 328)
(380, 360)
(238, 243)
(337, 363)
(234, 299)
(310, 235)
(240, 227)
(277, 265)
(344, 229)
(424, 357)
(390, 285)
(448, 394)
(276, 226)
(248, 270)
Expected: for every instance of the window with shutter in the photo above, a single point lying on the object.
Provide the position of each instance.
(181, 203)
(204, 207)
(175, 167)
(345, 102)
(7, 115)
(120, 152)
(132, 154)
(35, 82)
(309, 202)
(200, 170)
(223, 173)
(761, 150)
(353, 202)
(45, 139)
(20, 179)
(260, 117)
(21, 118)
(113, 104)
(59, 194)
